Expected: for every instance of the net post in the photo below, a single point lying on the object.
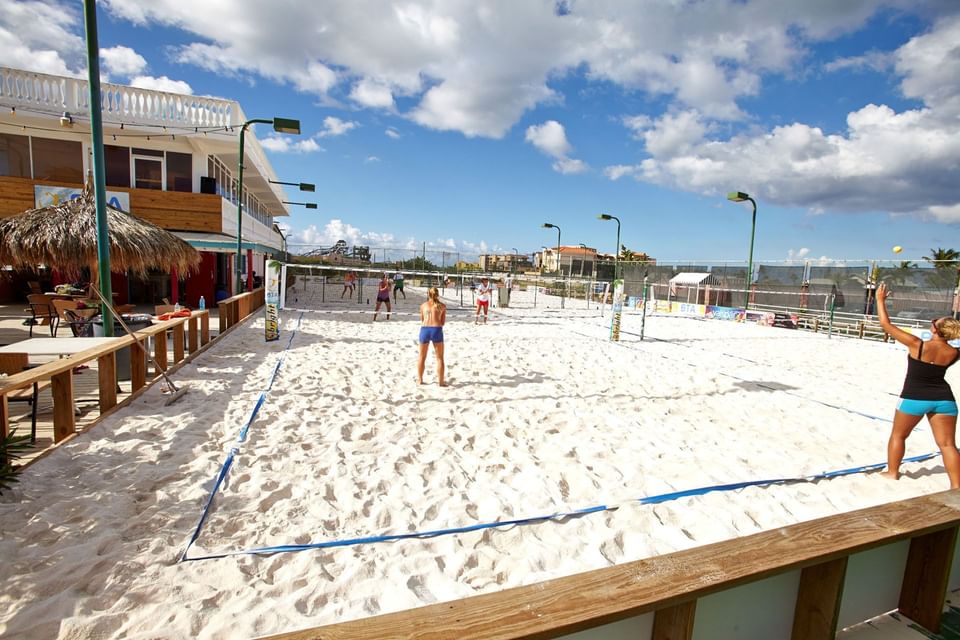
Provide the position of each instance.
(643, 315)
(833, 298)
(283, 285)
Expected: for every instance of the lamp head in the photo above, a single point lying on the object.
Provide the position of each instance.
(66, 120)
(311, 205)
(547, 225)
(737, 196)
(604, 216)
(286, 125)
(306, 186)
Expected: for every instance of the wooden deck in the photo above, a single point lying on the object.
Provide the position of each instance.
(85, 382)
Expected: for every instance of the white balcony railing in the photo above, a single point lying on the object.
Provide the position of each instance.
(120, 103)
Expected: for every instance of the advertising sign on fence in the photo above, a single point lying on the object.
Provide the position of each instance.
(271, 325)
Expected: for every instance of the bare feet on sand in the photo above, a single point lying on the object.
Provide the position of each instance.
(890, 475)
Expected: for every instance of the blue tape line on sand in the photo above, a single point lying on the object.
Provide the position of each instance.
(657, 499)
(225, 467)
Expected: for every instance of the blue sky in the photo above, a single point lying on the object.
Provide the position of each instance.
(466, 124)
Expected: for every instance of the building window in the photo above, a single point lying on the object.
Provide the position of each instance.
(117, 160)
(14, 156)
(57, 160)
(179, 171)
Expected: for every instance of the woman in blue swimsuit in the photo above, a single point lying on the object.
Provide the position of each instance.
(925, 391)
(433, 315)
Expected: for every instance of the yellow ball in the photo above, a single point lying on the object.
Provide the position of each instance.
(897, 249)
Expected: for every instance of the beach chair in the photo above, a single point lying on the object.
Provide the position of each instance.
(14, 363)
(62, 306)
(42, 311)
(35, 286)
(80, 325)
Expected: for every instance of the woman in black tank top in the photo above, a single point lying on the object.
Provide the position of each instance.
(925, 391)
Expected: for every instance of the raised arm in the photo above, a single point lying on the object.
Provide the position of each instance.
(898, 334)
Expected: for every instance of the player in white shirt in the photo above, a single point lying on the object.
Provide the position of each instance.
(484, 291)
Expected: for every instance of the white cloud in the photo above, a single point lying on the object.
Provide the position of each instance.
(884, 160)
(551, 138)
(872, 60)
(122, 61)
(286, 144)
(570, 165)
(370, 93)
(336, 127)
(371, 159)
(799, 254)
(42, 37)
(163, 83)
(392, 133)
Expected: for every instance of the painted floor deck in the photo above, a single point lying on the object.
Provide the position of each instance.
(893, 626)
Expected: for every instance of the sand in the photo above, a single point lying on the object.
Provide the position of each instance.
(543, 415)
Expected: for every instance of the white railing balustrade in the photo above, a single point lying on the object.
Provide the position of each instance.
(120, 103)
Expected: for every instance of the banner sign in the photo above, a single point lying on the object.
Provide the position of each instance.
(47, 196)
(617, 310)
(271, 325)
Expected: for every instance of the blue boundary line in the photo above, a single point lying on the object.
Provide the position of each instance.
(225, 468)
(655, 499)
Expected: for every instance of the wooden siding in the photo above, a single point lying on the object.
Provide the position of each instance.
(174, 210)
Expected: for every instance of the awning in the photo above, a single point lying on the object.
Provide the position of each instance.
(694, 279)
(220, 242)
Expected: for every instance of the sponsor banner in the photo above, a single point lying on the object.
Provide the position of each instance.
(687, 309)
(46, 196)
(617, 310)
(271, 325)
(723, 313)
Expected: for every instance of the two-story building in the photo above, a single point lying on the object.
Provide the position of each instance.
(170, 159)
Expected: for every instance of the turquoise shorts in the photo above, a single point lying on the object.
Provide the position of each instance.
(924, 407)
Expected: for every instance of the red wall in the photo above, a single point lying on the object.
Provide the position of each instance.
(201, 282)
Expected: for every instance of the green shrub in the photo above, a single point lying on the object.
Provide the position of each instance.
(11, 449)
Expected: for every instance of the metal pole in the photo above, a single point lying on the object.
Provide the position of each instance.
(560, 270)
(833, 300)
(643, 317)
(99, 165)
(243, 130)
(753, 228)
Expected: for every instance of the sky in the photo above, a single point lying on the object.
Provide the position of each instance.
(464, 125)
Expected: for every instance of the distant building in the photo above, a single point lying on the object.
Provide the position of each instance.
(507, 262)
(582, 261)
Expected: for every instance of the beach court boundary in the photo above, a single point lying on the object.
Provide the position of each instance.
(658, 597)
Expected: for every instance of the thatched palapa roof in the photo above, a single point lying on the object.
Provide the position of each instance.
(64, 237)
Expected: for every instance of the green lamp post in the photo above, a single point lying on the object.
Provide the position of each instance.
(739, 196)
(280, 125)
(616, 256)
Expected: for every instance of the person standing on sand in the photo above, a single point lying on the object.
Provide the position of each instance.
(348, 285)
(483, 299)
(383, 297)
(398, 286)
(925, 391)
(433, 315)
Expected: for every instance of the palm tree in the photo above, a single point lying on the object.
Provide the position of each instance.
(899, 274)
(626, 255)
(946, 263)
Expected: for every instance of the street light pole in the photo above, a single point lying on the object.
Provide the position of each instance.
(739, 196)
(616, 256)
(280, 125)
(547, 225)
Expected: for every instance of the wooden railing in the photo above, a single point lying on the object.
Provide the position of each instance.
(188, 335)
(670, 585)
(234, 310)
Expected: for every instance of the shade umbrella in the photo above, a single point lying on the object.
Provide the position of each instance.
(64, 236)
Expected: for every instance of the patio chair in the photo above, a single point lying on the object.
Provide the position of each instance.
(81, 326)
(42, 310)
(62, 306)
(12, 364)
(35, 286)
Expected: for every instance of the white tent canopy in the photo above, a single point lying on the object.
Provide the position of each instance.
(694, 279)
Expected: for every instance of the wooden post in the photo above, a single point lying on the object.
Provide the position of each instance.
(674, 623)
(818, 601)
(4, 416)
(160, 351)
(192, 338)
(205, 328)
(223, 306)
(138, 366)
(925, 577)
(177, 342)
(64, 422)
(107, 380)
